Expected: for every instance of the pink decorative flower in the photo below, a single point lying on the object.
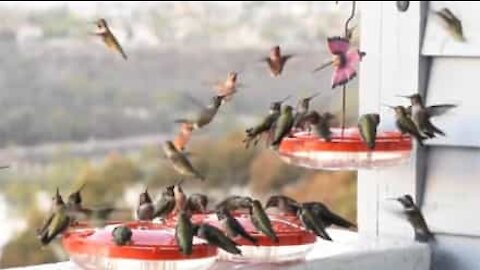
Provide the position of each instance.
(345, 60)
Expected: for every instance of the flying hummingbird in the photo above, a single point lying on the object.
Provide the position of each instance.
(97, 216)
(233, 203)
(276, 61)
(108, 38)
(57, 223)
(312, 223)
(145, 207)
(180, 198)
(180, 162)
(122, 235)
(367, 127)
(165, 205)
(216, 238)
(232, 227)
(205, 116)
(303, 108)
(74, 200)
(184, 136)
(451, 23)
(228, 87)
(421, 114)
(416, 219)
(283, 126)
(184, 232)
(406, 125)
(321, 211)
(197, 203)
(283, 203)
(261, 221)
(344, 62)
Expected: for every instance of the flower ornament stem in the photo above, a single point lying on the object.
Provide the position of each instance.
(344, 88)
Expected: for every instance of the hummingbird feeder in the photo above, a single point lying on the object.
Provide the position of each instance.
(152, 246)
(346, 149)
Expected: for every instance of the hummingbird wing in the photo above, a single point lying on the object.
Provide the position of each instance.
(111, 41)
(237, 228)
(323, 66)
(46, 224)
(217, 238)
(335, 219)
(437, 110)
(59, 223)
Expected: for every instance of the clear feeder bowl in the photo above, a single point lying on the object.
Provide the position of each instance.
(347, 151)
(153, 247)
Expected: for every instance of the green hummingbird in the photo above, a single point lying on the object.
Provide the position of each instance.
(367, 127)
(57, 223)
(232, 227)
(205, 116)
(321, 212)
(197, 203)
(180, 162)
(233, 203)
(303, 108)
(184, 232)
(122, 235)
(282, 126)
(216, 237)
(283, 203)
(415, 218)
(165, 205)
(145, 208)
(406, 125)
(180, 197)
(452, 24)
(108, 38)
(261, 221)
(312, 223)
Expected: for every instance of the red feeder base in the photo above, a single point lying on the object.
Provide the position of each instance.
(347, 152)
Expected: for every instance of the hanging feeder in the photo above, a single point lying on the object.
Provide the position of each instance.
(152, 246)
(346, 151)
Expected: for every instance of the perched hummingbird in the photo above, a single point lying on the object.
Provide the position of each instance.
(283, 126)
(180, 162)
(216, 238)
(233, 203)
(228, 87)
(302, 110)
(57, 223)
(367, 127)
(312, 223)
(416, 219)
(232, 227)
(122, 235)
(421, 115)
(183, 137)
(452, 24)
(180, 198)
(184, 232)
(320, 124)
(197, 203)
(321, 211)
(205, 116)
(261, 221)
(108, 38)
(165, 205)
(345, 60)
(283, 203)
(145, 209)
(276, 61)
(406, 125)
(57, 203)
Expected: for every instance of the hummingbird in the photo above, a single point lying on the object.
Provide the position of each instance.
(57, 203)
(276, 61)
(183, 137)
(285, 204)
(416, 219)
(282, 126)
(320, 124)
(122, 235)
(228, 87)
(97, 216)
(367, 127)
(302, 110)
(233, 203)
(216, 238)
(321, 211)
(197, 203)
(344, 60)
(180, 162)
(261, 221)
(57, 223)
(421, 114)
(145, 207)
(265, 126)
(406, 125)
(312, 223)
(232, 227)
(205, 116)
(180, 198)
(452, 24)
(74, 200)
(108, 38)
(184, 231)
(165, 205)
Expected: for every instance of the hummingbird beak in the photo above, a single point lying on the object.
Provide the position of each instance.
(146, 190)
(313, 96)
(404, 96)
(285, 99)
(389, 106)
(391, 199)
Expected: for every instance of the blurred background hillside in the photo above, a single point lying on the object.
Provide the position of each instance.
(73, 112)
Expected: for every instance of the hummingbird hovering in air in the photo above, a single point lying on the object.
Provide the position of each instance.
(184, 232)
(122, 235)
(232, 227)
(406, 125)
(216, 238)
(108, 38)
(415, 218)
(282, 126)
(261, 221)
(451, 23)
(367, 127)
(205, 116)
(422, 114)
(74, 200)
(165, 205)
(145, 208)
(228, 87)
(197, 203)
(276, 61)
(184, 136)
(180, 161)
